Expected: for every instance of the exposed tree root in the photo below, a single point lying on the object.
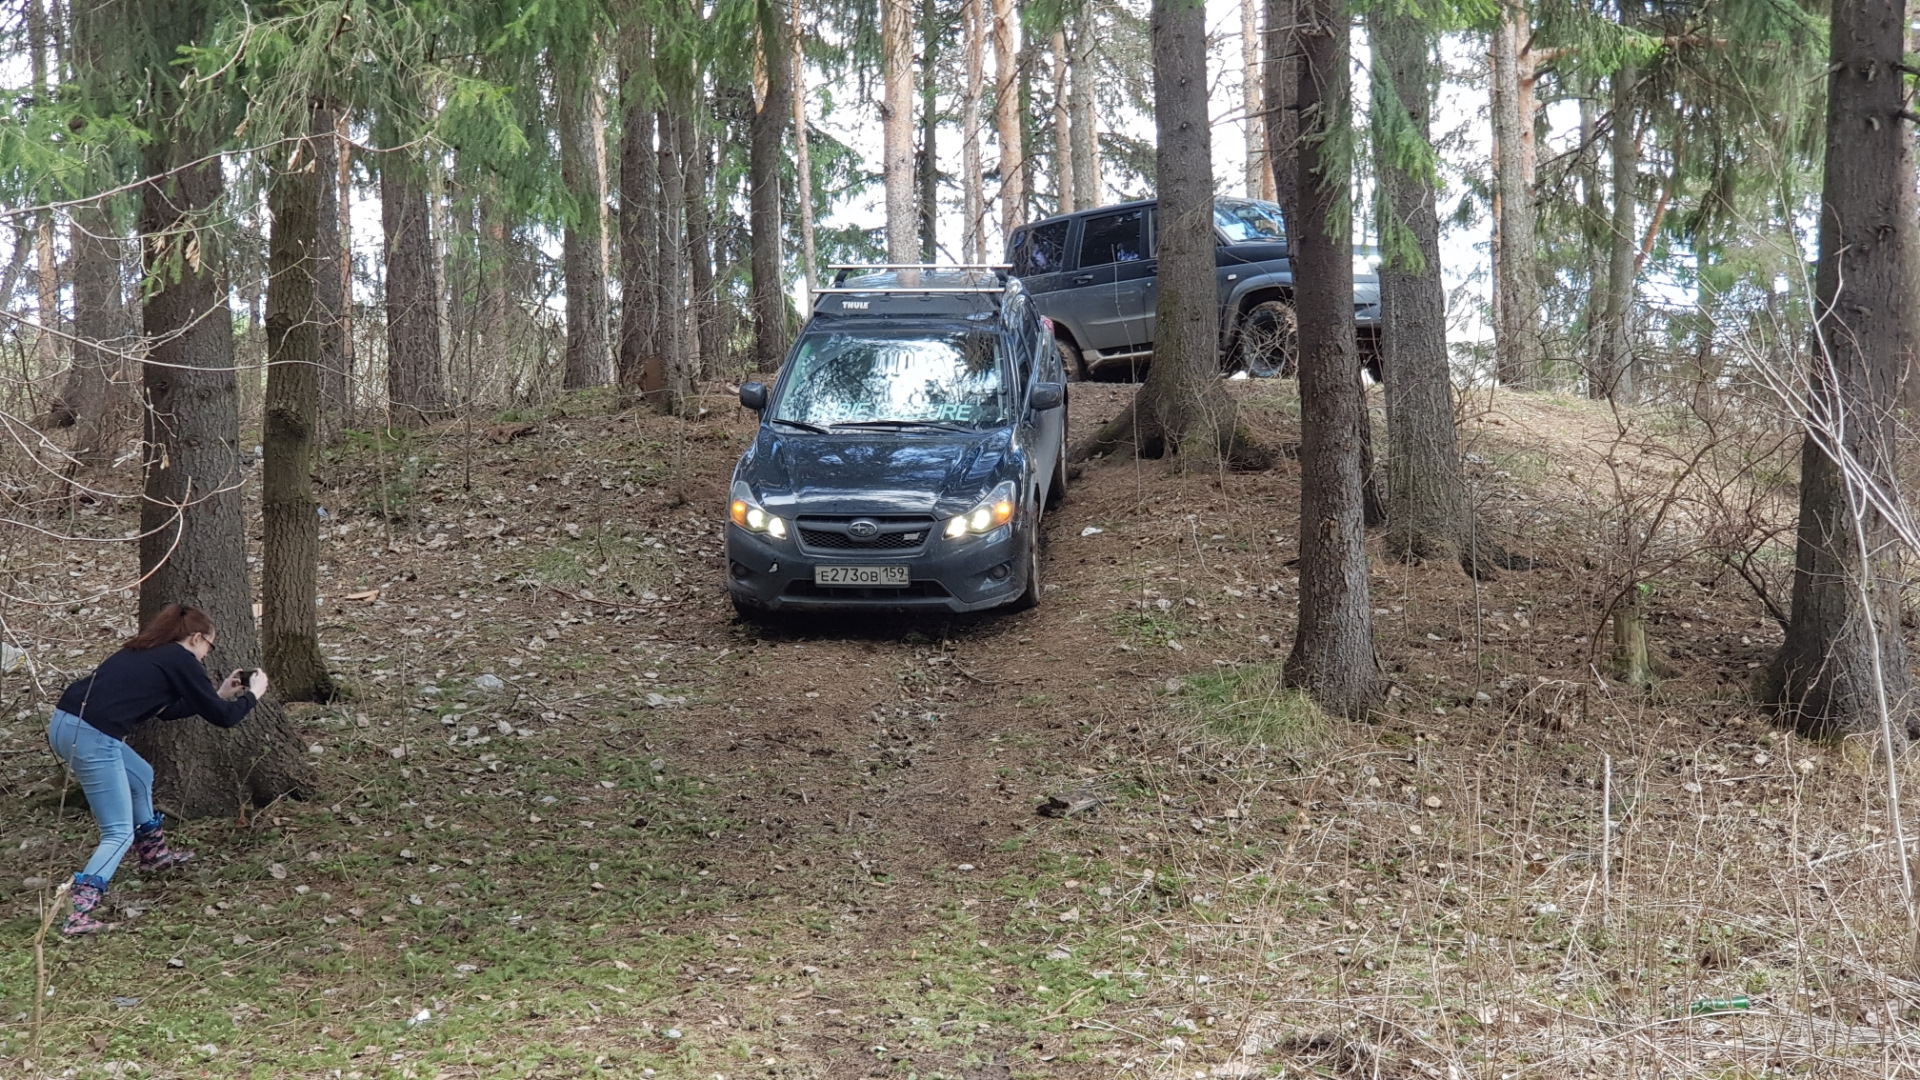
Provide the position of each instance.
(1148, 436)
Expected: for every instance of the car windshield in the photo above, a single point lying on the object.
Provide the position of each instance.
(1248, 221)
(915, 377)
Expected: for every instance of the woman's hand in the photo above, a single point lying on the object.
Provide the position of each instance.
(232, 687)
(258, 684)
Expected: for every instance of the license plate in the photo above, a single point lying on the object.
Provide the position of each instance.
(881, 577)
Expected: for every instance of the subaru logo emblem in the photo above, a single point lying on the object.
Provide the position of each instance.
(863, 529)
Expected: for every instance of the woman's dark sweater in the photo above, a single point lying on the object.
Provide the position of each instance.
(134, 686)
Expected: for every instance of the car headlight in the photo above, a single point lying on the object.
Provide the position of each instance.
(992, 512)
(751, 516)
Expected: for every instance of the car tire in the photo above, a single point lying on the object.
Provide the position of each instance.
(1071, 360)
(757, 616)
(1269, 340)
(1030, 598)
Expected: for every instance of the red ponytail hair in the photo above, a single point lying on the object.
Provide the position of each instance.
(174, 623)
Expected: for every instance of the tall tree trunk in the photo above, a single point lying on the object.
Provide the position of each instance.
(331, 283)
(95, 394)
(584, 177)
(1333, 657)
(1086, 156)
(1281, 81)
(193, 548)
(926, 163)
(972, 186)
(289, 631)
(1183, 407)
(1252, 98)
(672, 281)
(1612, 376)
(416, 392)
(803, 159)
(708, 343)
(1518, 348)
(643, 372)
(896, 128)
(1426, 489)
(768, 129)
(496, 266)
(92, 397)
(47, 268)
(1847, 579)
(1062, 126)
(1006, 110)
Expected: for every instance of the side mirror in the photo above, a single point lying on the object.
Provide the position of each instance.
(754, 395)
(1047, 395)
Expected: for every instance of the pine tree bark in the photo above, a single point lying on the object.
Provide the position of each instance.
(1612, 376)
(584, 178)
(1427, 511)
(926, 159)
(1182, 408)
(1086, 155)
(1281, 78)
(1847, 582)
(803, 158)
(1333, 657)
(1252, 98)
(972, 184)
(1006, 110)
(672, 280)
(94, 394)
(767, 135)
(331, 270)
(416, 390)
(642, 363)
(289, 630)
(896, 128)
(194, 544)
(1062, 125)
(46, 277)
(1518, 348)
(707, 337)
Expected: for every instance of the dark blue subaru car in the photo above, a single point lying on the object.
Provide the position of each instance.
(906, 451)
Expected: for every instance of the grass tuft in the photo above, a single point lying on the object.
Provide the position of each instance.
(1250, 705)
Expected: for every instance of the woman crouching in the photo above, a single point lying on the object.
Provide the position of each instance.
(156, 675)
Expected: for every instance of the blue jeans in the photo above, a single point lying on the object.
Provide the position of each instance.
(118, 783)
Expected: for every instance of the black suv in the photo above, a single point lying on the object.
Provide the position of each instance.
(1093, 273)
(905, 452)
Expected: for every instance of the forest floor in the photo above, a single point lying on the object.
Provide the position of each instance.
(674, 844)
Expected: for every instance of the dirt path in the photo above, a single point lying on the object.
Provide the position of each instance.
(589, 822)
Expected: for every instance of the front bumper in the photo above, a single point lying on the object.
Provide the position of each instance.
(942, 575)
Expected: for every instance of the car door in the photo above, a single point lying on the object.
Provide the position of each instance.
(1110, 283)
(1035, 359)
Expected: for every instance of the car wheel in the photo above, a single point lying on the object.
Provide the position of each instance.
(1071, 360)
(748, 613)
(1269, 340)
(1030, 599)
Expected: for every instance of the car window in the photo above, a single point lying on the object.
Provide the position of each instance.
(1112, 238)
(1041, 249)
(952, 377)
(1020, 325)
(1244, 220)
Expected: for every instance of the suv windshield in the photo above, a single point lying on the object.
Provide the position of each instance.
(915, 377)
(1245, 221)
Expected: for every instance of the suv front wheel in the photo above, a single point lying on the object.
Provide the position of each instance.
(1269, 340)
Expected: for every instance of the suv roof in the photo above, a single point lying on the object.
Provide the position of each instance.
(1091, 211)
(914, 290)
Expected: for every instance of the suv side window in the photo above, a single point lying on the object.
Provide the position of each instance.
(1041, 249)
(1025, 343)
(1114, 238)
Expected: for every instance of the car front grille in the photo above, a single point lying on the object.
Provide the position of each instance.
(891, 534)
(918, 590)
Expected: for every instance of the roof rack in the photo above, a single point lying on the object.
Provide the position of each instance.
(841, 270)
